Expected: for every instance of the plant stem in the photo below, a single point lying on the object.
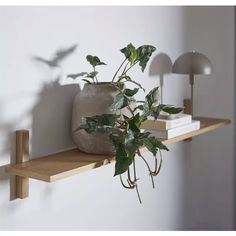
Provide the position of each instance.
(130, 67)
(139, 198)
(123, 183)
(94, 74)
(131, 111)
(149, 169)
(135, 178)
(129, 179)
(159, 167)
(118, 70)
(123, 72)
(136, 186)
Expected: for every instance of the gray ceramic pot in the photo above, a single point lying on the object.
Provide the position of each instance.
(95, 99)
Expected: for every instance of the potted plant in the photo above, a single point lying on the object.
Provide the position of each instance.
(107, 119)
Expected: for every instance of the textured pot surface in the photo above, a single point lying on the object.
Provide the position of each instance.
(95, 99)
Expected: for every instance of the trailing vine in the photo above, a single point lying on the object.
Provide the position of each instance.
(125, 130)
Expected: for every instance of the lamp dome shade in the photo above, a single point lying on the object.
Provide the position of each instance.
(192, 63)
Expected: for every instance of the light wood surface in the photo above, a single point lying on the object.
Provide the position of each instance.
(206, 125)
(59, 165)
(187, 110)
(187, 106)
(64, 164)
(22, 155)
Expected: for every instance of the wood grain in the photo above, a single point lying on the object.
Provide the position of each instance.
(64, 164)
(187, 106)
(59, 165)
(187, 110)
(22, 155)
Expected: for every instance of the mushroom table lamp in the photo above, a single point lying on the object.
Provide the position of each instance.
(192, 63)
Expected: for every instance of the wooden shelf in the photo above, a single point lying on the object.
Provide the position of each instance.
(64, 164)
(59, 165)
(206, 124)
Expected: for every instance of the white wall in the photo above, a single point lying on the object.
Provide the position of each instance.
(31, 97)
(211, 166)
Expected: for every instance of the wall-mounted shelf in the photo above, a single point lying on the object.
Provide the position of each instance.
(64, 164)
(59, 165)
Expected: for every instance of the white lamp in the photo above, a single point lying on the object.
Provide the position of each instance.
(192, 63)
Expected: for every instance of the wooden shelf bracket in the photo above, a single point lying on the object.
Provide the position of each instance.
(22, 155)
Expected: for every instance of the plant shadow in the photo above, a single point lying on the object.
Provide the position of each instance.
(161, 64)
(51, 118)
(50, 115)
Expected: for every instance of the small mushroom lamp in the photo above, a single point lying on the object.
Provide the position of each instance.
(192, 63)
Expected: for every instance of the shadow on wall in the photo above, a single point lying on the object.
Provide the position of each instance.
(6, 130)
(160, 65)
(51, 115)
(51, 118)
(8, 148)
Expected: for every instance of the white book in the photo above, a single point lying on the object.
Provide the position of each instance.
(166, 124)
(172, 133)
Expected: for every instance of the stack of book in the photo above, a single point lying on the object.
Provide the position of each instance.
(172, 127)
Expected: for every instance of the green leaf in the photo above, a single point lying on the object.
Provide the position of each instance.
(133, 56)
(142, 136)
(139, 107)
(130, 144)
(122, 161)
(151, 104)
(94, 60)
(104, 119)
(152, 144)
(120, 101)
(100, 123)
(152, 98)
(135, 123)
(127, 51)
(160, 145)
(172, 109)
(130, 92)
(117, 137)
(143, 55)
(155, 112)
(138, 141)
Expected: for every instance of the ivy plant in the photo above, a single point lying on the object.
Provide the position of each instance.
(125, 131)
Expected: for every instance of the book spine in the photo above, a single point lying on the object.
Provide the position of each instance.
(178, 122)
(154, 124)
(166, 124)
(177, 131)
